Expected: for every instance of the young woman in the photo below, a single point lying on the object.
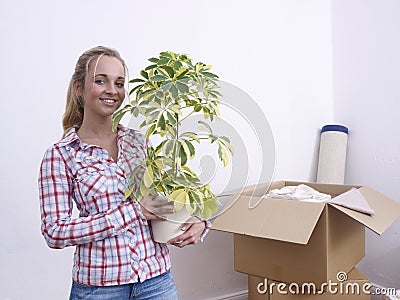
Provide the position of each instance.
(115, 255)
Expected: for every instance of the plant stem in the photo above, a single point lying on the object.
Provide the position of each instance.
(175, 154)
(188, 115)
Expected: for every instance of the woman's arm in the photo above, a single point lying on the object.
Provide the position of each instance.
(194, 230)
(56, 203)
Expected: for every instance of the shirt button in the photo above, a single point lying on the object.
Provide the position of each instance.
(135, 257)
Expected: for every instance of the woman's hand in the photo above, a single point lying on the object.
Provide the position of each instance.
(192, 231)
(154, 207)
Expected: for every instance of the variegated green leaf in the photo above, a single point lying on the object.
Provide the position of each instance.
(175, 108)
(223, 155)
(118, 115)
(128, 192)
(169, 71)
(144, 74)
(182, 156)
(157, 78)
(168, 147)
(188, 148)
(183, 88)
(161, 123)
(190, 207)
(205, 126)
(177, 65)
(148, 177)
(150, 130)
(190, 135)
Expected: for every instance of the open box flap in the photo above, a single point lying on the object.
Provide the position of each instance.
(289, 221)
(254, 190)
(386, 211)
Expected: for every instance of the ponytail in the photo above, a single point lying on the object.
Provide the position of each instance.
(73, 115)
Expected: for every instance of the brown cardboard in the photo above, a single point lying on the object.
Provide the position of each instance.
(356, 287)
(294, 222)
(294, 241)
(386, 211)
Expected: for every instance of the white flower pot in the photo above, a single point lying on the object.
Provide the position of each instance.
(163, 231)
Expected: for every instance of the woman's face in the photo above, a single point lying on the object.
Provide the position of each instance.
(104, 89)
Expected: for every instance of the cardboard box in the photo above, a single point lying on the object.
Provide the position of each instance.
(295, 241)
(356, 287)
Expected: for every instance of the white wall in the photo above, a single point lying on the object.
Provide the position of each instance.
(278, 51)
(366, 62)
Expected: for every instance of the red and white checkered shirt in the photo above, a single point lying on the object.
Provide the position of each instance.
(112, 238)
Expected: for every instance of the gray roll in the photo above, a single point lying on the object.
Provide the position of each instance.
(332, 154)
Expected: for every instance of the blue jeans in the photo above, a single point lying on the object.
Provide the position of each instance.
(157, 288)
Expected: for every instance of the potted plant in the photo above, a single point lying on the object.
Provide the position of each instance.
(171, 89)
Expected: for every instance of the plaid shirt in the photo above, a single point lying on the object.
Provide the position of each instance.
(112, 238)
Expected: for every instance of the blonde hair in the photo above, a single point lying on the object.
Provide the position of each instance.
(74, 111)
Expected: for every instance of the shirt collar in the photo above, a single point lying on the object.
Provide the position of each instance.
(69, 138)
(122, 131)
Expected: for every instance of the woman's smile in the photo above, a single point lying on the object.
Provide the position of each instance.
(108, 101)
